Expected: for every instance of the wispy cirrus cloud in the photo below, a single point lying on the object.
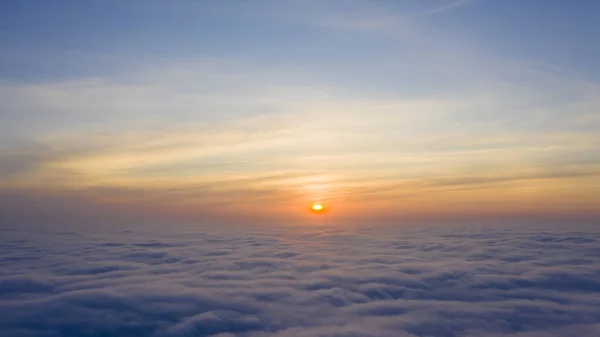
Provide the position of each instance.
(412, 116)
(444, 6)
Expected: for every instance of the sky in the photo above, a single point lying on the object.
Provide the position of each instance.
(254, 110)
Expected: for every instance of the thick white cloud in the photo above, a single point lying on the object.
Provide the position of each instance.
(313, 281)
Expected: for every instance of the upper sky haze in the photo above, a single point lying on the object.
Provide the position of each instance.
(231, 110)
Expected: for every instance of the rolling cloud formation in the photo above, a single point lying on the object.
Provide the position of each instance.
(313, 281)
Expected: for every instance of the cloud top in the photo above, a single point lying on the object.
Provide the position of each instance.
(281, 281)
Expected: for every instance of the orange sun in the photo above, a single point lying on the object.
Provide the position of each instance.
(317, 208)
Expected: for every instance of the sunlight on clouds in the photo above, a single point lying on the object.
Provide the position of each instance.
(300, 168)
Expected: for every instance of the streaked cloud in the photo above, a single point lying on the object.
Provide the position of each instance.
(415, 116)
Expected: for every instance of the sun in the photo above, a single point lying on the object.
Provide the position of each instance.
(317, 208)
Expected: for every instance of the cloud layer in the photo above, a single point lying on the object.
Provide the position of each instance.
(311, 281)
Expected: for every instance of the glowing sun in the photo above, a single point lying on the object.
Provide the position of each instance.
(317, 208)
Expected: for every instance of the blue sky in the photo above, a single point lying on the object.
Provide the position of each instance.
(559, 33)
(349, 103)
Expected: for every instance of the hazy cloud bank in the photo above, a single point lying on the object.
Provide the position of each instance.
(311, 281)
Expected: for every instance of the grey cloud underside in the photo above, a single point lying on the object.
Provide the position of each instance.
(313, 281)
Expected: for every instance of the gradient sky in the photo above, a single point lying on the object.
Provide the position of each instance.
(229, 110)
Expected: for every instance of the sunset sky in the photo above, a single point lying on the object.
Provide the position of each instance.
(254, 110)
